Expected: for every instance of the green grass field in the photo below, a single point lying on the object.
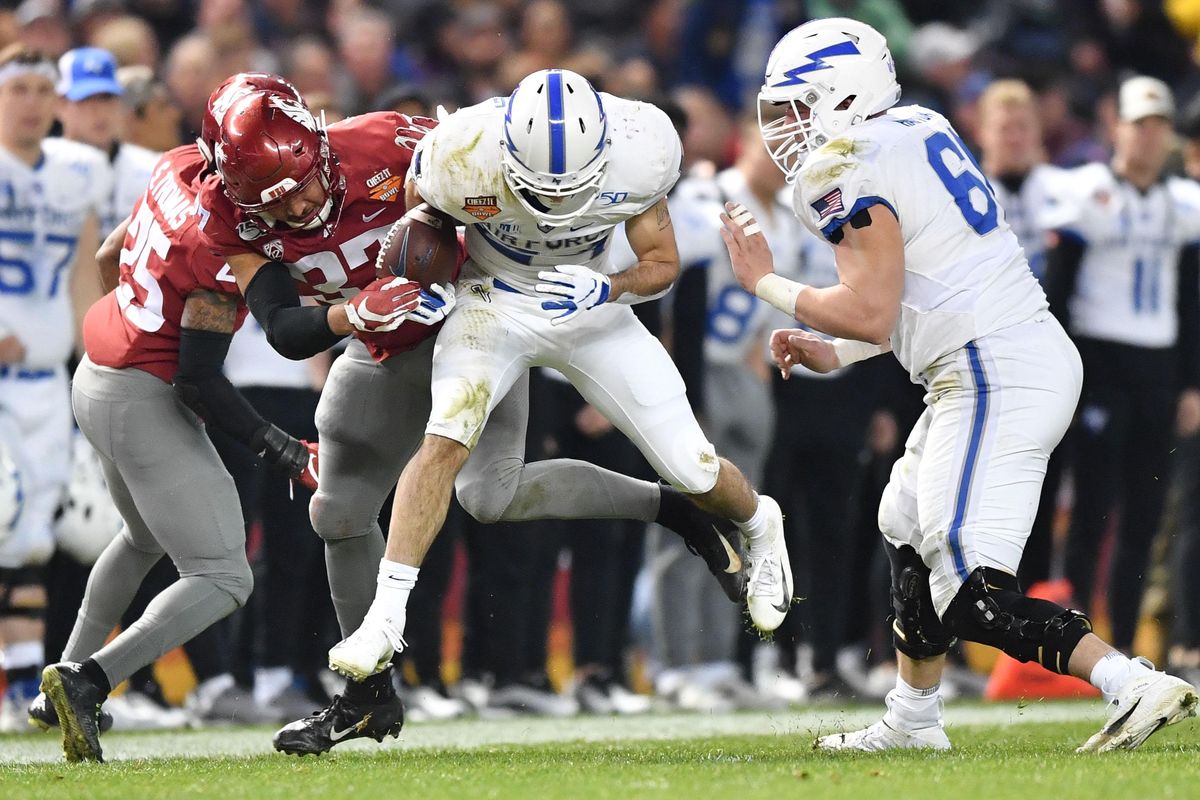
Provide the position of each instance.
(1001, 752)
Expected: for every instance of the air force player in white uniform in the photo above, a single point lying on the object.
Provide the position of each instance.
(930, 270)
(51, 193)
(540, 179)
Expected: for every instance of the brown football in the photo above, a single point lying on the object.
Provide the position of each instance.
(422, 246)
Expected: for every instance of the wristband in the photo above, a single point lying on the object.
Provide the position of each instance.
(850, 351)
(779, 292)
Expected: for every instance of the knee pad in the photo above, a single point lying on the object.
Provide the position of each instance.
(990, 609)
(17, 604)
(916, 630)
(336, 517)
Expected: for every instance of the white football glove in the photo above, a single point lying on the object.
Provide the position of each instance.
(572, 288)
(435, 305)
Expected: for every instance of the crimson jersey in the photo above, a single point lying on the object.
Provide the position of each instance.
(163, 260)
(332, 269)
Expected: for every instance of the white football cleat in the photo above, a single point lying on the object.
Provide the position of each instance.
(881, 736)
(368, 650)
(769, 588)
(1145, 704)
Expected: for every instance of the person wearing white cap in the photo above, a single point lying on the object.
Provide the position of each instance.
(50, 194)
(1123, 278)
(90, 112)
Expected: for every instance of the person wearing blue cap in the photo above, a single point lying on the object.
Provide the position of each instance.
(90, 111)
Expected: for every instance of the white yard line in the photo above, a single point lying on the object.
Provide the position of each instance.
(802, 724)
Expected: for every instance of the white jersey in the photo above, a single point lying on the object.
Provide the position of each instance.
(42, 211)
(457, 170)
(965, 275)
(1025, 209)
(1126, 290)
(131, 175)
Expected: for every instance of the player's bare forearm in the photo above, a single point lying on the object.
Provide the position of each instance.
(206, 310)
(870, 262)
(841, 311)
(108, 257)
(652, 238)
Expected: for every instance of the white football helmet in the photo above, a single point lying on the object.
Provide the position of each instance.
(831, 73)
(555, 149)
(12, 495)
(88, 519)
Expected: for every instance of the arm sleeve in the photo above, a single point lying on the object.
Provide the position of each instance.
(294, 331)
(1063, 259)
(203, 387)
(1188, 341)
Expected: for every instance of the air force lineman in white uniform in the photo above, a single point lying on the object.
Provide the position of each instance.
(51, 192)
(931, 271)
(540, 179)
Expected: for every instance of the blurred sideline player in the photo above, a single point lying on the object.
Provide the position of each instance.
(931, 271)
(540, 179)
(91, 112)
(90, 108)
(150, 382)
(1013, 161)
(1123, 279)
(51, 194)
(315, 226)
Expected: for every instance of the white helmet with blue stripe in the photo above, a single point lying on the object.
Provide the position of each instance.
(555, 148)
(829, 74)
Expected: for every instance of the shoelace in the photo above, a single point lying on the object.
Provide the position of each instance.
(394, 638)
(763, 574)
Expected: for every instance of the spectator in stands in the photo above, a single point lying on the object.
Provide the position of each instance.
(151, 117)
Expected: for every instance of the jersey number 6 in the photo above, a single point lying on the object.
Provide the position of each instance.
(963, 180)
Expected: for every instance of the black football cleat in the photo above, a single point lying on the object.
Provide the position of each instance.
(341, 721)
(42, 715)
(77, 703)
(715, 539)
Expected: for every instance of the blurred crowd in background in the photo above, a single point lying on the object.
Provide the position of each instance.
(604, 617)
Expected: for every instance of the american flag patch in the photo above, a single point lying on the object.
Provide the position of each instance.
(829, 205)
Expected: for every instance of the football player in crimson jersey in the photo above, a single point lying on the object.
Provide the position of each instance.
(314, 226)
(160, 338)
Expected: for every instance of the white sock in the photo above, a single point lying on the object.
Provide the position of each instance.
(269, 683)
(755, 530)
(910, 708)
(1113, 671)
(393, 586)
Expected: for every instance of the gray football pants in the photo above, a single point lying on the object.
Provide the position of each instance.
(370, 421)
(176, 498)
(693, 621)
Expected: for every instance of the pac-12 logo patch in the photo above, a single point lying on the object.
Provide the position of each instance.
(482, 207)
(273, 250)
